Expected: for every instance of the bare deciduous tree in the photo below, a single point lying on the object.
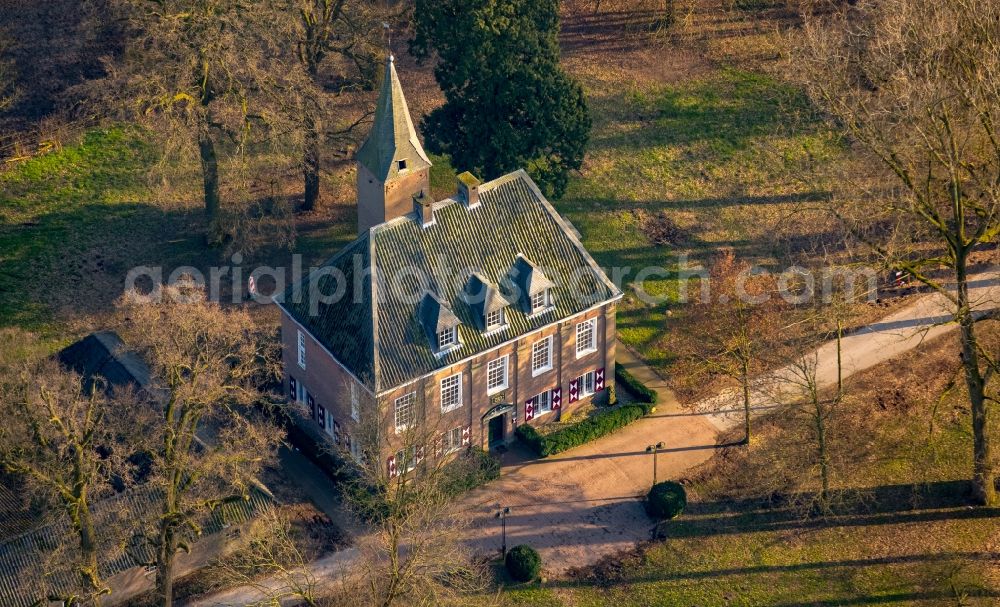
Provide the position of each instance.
(734, 331)
(917, 86)
(349, 29)
(414, 554)
(63, 435)
(209, 364)
(206, 74)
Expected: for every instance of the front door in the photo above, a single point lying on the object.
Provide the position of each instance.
(495, 430)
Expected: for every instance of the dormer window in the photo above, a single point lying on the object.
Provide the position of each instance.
(495, 320)
(539, 301)
(447, 338)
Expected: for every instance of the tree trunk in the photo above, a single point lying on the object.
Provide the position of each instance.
(166, 550)
(88, 548)
(823, 454)
(745, 380)
(310, 160)
(983, 488)
(210, 179)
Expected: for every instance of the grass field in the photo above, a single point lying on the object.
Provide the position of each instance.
(901, 532)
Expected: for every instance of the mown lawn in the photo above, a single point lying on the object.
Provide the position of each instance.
(684, 169)
(901, 531)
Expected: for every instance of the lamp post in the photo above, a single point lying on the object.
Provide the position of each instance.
(654, 449)
(502, 512)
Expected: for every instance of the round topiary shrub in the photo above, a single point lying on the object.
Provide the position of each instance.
(523, 563)
(666, 500)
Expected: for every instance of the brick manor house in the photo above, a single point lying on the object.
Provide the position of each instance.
(518, 329)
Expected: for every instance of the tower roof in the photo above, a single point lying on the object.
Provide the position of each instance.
(392, 137)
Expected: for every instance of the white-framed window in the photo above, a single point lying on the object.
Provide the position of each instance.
(541, 355)
(301, 394)
(451, 392)
(586, 337)
(406, 460)
(495, 320)
(302, 349)
(355, 403)
(447, 338)
(586, 385)
(542, 402)
(496, 375)
(452, 440)
(539, 301)
(405, 411)
(329, 423)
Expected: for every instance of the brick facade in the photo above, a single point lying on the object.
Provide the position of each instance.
(325, 387)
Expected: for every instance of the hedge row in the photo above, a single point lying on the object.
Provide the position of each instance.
(597, 425)
(638, 389)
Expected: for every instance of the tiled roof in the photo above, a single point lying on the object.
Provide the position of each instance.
(28, 573)
(386, 345)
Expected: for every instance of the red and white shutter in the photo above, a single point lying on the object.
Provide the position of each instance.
(556, 398)
(291, 388)
(574, 390)
(529, 410)
(391, 466)
(466, 436)
(336, 433)
(321, 416)
(420, 454)
(599, 380)
(312, 406)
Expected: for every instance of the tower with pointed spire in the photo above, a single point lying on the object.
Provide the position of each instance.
(392, 166)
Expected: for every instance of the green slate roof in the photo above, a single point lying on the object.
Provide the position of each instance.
(386, 345)
(392, 137)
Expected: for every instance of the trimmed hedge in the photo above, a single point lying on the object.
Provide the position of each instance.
(633, 385)
(523, 562)
(597, 425)
(666, 500)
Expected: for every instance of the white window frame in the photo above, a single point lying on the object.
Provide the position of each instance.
(535, 368)
(546, 302)
(504, 362)
(453, 342)
(355, 403)
(301, 343)
(452, 440)
(457, 379)
(301, 394)
(537, 401)
(591, 326)
(327, 421)
(411, 402)
(502, 322)
(406, 460)
(586, 383)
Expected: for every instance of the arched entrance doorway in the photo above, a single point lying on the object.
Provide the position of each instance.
(494, 425)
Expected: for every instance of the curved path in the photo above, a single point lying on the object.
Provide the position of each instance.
(579, 506)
